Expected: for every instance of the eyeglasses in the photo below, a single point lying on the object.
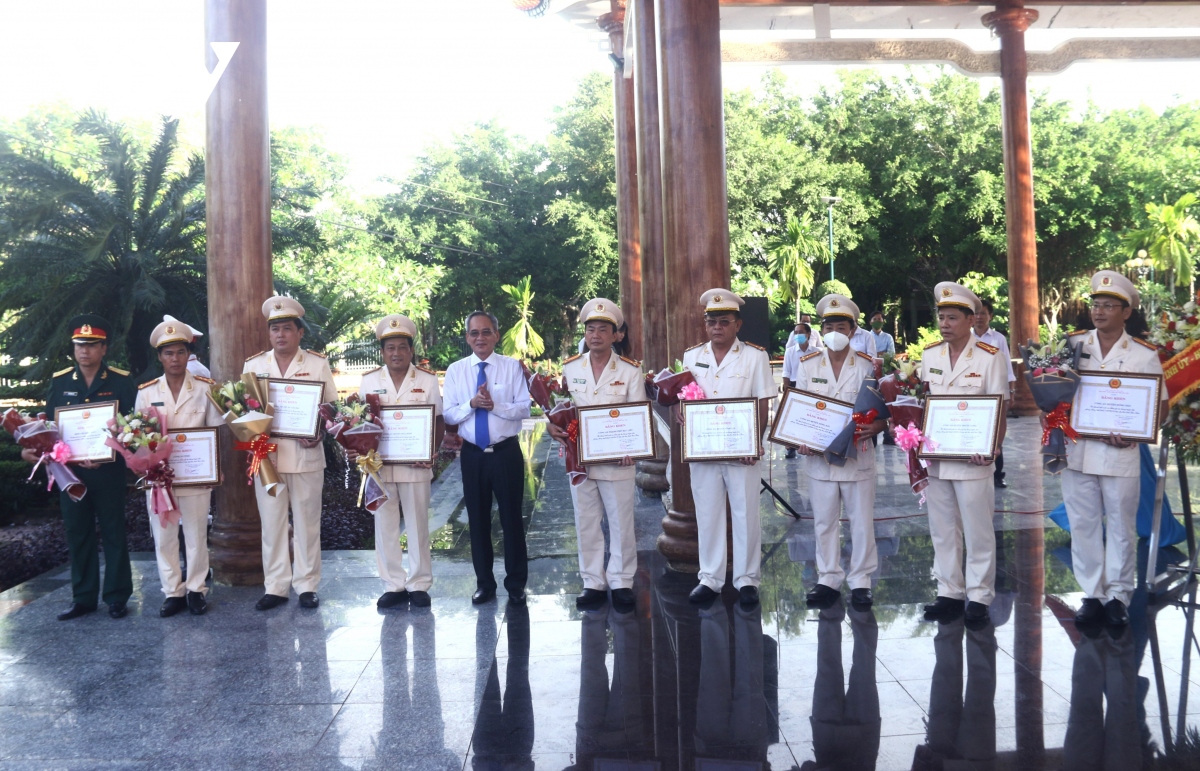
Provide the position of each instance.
(1106, 307)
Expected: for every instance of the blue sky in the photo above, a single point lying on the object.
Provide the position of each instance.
(384, 78)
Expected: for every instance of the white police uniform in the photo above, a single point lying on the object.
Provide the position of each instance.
(962, 496)
(744, 372)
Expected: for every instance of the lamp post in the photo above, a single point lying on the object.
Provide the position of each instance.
(830, 200)
(1143, 265)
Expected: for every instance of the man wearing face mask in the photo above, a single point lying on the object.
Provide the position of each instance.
(884, 342)
(728, 368)
(814, 340)
(838, 373)
(962, 494)
(800, 345)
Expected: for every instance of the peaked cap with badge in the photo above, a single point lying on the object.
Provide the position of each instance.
(721, 301)
(601, 309)
(1109, 283)
(90, 328)
(951, 295)
(395, 325)
(837, 306)
(172, 330)
(279, 308)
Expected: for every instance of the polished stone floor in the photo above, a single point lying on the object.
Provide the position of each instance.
(669, 686)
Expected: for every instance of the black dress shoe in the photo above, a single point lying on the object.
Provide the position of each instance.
(1090, 612)
(591, 598)
(117, 609)
(197, 603)
(623, 599)
(309, 600)
(391, 599)
(943, 609)
(822, 596)
(703, 595)
(420, 599)
(75, 610)
(861, 598)
(748, 597)
(483, 595)
(1115, 613)
(517, 600)
(269, 601)
(171, 606)
(976, 612)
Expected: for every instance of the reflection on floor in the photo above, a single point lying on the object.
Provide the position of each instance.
(668, 686)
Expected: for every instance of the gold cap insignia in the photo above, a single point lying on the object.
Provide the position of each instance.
(834, 304)
(1105, 281)
(599, 306)
(86, 329)
(170, 330)
(717, 298)
(278, 306)
(395, 323)
(947, 292)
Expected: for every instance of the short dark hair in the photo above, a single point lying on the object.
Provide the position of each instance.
(714, 314)
(491, 317)
(191, 347)
(876, 313)
(383, 341)
(299, 324)
(987, 305)
(806, 325)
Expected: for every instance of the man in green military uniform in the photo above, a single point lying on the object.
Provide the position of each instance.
(92, 380)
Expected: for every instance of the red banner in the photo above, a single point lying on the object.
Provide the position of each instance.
(1182, 372)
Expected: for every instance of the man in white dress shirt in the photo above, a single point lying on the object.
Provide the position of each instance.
(984, 331)
(1102, 480)
(600, 376)
(728, 368)
(400, 383)
(181, 398)
(802, 342)
(863, 341)
(839, 373)
(486, 396)
(301, 465)
(962, 495)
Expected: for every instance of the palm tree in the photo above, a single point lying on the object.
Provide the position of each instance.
(522, 339)
(791, 255)
(1170, 239)
(126, 241)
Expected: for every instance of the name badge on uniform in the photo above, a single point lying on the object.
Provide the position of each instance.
(157, 404)
(818, 380)
(417, 391)
(1085, 356)
(974, 374)
(701, 364)
(935, 371)
(579, 381)
(380, 391)
(303, 374)
(70, 393)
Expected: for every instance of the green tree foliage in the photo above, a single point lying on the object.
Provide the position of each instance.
(1170, 238)
(791, 257)
(521, 339)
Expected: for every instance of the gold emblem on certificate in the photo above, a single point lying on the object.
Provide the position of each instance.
(808, 419)
(407, 434)
(957, 427)
(297, 406)
(610, 432)
(720, 430)
(196, 457)
(1125, 403)
(84, 428)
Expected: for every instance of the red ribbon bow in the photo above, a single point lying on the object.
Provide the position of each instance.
(1059, 418)
(259, 448)
(573, 430)
(865, 419)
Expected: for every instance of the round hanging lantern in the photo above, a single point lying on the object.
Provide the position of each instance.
(532, 7)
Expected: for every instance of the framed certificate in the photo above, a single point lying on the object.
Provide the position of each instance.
(196, 457)
(407, 434)
(1125, 403)
(961, 426)
(804, 418)
(609, 432)
(297, 406)
(84, 427)
(720, 429)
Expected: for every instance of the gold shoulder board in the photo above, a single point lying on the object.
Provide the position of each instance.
(63, 371)
(573, 358)
(1145, 343)
(148, 383)
(810, 355)
(203, 379)
(118, 371)
(866, 356)
(694, 347)
(634, 362)
(1077, 332)
(989, 348)
(255, 356)
(426, 370)
(933, 345)
(752, 345)
(317, 354)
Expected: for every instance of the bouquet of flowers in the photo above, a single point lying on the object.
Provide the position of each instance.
(546, 386)
(354, 424)
(562, 414)
(140, 437)
(42, 435)
(665, 387)
(904, 394)
(1177, 335)
(1050, 371)
(244, 407)
(869, 406)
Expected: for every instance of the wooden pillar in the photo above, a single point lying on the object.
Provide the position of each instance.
(695, 213)
(237, 185)
(625, 131)
(1009, 22)
(649, 175)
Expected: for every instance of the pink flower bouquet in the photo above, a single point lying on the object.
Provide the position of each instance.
(140, 437)
(42, 435)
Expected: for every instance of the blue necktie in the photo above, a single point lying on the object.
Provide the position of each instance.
(482, 437)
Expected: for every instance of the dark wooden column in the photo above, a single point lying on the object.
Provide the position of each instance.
(650, 212)
(695, 213)
(625, 130)
(238, 190)
(1009, 22)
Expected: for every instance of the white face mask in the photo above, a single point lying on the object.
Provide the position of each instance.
(836, 341)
